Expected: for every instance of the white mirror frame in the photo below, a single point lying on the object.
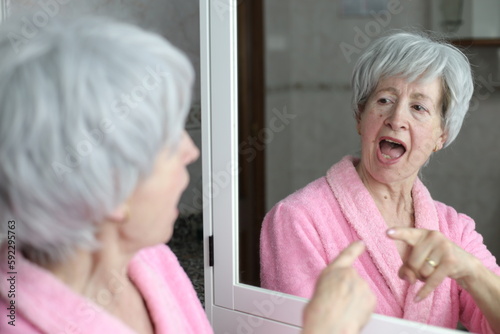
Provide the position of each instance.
(4, 9)
(230, 306)
(233, 307)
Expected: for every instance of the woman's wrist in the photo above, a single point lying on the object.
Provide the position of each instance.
(477, 273)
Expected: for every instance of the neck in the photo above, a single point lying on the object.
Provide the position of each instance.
(99, 275)
(394, 200)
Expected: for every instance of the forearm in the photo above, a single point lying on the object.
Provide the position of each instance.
(484, 288)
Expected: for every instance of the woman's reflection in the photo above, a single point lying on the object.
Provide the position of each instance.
(410, 96)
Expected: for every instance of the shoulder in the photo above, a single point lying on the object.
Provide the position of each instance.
(318, 197)
(452, 219)
(343, 172)
(316, 189)
(457, 226)
(306, 211)
(461, 229)
(312, 197)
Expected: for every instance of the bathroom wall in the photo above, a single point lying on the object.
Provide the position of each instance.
(311, 47)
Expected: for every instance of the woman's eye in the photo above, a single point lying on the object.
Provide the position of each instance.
(418, 107)
(383, 100)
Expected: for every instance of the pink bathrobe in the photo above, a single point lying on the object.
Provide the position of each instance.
(45, 305)
(307, 230)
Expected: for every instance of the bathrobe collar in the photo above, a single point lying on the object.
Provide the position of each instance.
(361, 212)
(53, 307)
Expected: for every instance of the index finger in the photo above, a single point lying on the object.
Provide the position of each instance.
(347, 257)
(409, 235)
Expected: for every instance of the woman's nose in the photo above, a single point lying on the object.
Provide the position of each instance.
(397, 119)
(190, 152)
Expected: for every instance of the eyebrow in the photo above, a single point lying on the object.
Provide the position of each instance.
(421, 96)
(390, 89)
(414, 95)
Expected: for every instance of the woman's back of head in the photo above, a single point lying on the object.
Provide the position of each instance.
(85, 106)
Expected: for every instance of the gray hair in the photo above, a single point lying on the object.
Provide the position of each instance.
(85, 107)
(414, 56)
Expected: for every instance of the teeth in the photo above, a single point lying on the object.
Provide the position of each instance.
(391, 141)
(386, 156)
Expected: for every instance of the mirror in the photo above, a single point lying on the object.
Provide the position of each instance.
(296, 121)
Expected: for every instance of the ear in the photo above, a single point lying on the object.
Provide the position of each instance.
(442, 139)
(119, 214)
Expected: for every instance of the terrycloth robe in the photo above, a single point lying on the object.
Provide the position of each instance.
(307, 230)
(45, 305)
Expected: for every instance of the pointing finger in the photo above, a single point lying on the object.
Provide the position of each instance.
(407, 234)
(347, 257)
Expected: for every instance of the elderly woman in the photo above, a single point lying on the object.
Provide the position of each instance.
(94, 161)
(410, 96)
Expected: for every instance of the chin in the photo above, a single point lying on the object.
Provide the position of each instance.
(169, 237)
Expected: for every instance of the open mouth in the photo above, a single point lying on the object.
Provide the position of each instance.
(391, 149)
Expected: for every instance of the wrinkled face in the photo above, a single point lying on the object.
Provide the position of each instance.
(400, 126)
(153, 205)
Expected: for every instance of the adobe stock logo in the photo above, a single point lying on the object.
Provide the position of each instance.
(265, 308)
(372, 29)
(31, 25)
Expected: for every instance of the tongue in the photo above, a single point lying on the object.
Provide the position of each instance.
(391, 149)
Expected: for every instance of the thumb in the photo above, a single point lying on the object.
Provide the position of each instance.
(347, 257)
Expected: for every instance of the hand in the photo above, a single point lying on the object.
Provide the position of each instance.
(342, 301)
(430, 258)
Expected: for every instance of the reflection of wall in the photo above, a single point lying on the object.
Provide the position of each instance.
(308, 73)
(178, 21)
(479, 19)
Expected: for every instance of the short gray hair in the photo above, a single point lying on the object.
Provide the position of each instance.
(85, 107)
(413, 56)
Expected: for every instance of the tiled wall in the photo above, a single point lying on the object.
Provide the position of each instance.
(308, 75)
